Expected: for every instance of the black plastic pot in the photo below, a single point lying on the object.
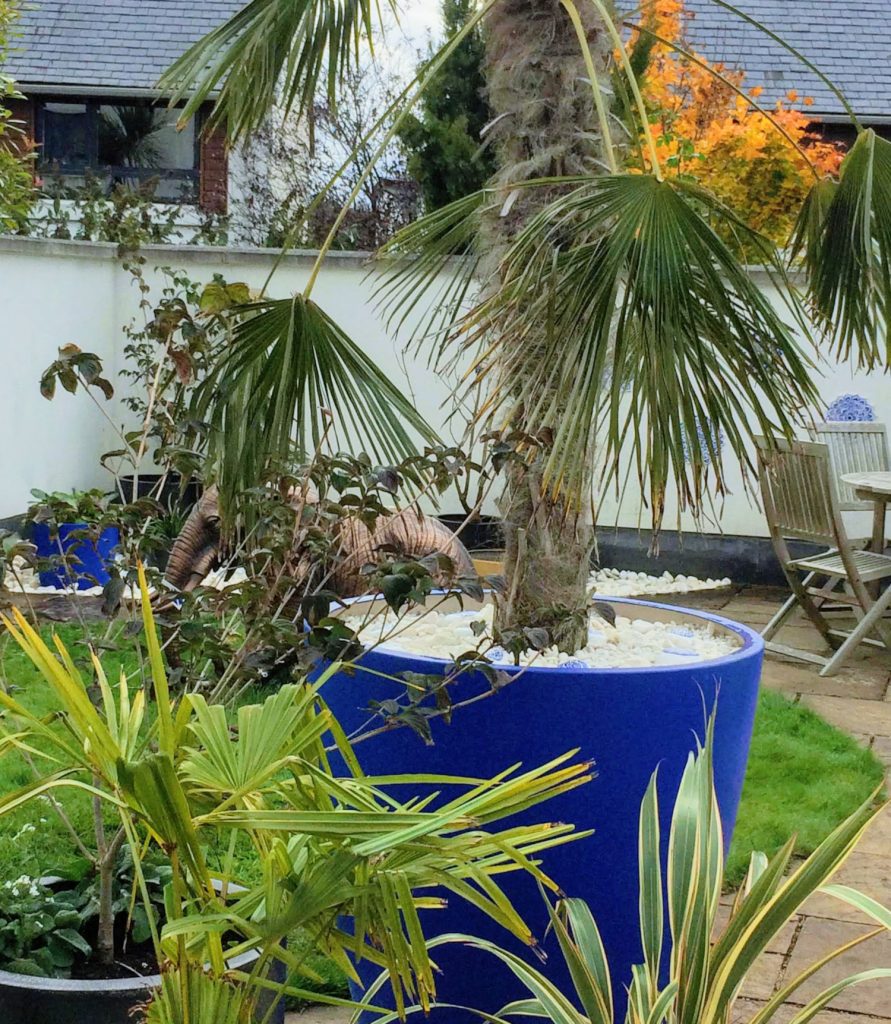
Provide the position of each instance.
(483, 533)
(172, 494)
(28, 1000)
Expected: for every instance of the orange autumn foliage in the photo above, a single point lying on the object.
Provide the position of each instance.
(708, 133)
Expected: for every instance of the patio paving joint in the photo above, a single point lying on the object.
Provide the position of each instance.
(787, 956)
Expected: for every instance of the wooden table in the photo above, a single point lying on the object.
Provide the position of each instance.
(874, 487)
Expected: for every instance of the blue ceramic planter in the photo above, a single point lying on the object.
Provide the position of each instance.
(87, 556)
(628, 721)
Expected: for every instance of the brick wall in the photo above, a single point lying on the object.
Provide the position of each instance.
(214, 167)
(23, 114)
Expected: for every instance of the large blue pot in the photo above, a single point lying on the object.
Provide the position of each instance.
(628, 721)
(87, 556)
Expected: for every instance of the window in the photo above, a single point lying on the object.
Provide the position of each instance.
(118, 142)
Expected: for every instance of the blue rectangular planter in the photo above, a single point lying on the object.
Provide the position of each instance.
(87, 556)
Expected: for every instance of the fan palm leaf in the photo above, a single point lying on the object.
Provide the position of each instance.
(290, 378)
(657, 343)
(844, 237)
(190, 994)
(271, 52)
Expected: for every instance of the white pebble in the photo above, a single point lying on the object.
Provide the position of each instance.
(635, 643)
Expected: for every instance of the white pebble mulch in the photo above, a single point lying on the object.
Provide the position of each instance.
(624, 583)
(26, 581)
(605, 582)
(632, 643)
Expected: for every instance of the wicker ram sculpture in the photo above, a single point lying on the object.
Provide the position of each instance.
(409, 533)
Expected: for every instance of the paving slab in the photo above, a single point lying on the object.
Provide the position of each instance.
(868, 717)
(867, 681)
(753, 612)
(319, 1015)
(876, 841)
(745, 1010)
(819, 937)
(764, 976)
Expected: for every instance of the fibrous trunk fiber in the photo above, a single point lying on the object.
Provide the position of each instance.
(545, 126)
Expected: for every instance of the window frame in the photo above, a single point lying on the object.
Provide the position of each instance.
(93, 104)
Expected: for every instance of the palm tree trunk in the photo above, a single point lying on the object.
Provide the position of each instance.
(544, 125)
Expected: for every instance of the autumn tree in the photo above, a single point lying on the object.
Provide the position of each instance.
(709, 133)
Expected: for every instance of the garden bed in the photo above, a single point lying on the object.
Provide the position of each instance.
(825, 776)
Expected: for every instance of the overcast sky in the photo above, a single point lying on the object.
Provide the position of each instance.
(421, 17)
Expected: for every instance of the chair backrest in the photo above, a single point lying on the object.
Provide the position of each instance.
(798, 492)
(854, 448)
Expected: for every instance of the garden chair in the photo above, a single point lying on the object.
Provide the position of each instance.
(860, 447)
(853, 448)
(801, 503)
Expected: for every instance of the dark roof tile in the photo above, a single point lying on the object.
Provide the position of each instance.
(124, 44)
(850, 42)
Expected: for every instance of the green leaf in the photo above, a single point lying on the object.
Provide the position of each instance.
(618, 318)
(650, 900)
(291, 378)
(860, 901)
(844, 235)
(75, 940)
(29, 967)
(585, 956)
(272, 53)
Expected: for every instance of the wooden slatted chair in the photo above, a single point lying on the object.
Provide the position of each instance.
(854, 448)
(801, 503)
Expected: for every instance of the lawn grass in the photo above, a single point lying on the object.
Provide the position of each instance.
(804, 777)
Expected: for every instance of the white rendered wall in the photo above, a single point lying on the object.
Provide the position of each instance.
(53, 293)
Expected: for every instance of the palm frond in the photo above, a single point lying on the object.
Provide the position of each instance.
(844, 236)
(622, 317)
(290, 378)
(273, 51)
(425, 276)
(188, 994)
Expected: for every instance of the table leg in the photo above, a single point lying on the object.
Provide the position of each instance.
(878, 526)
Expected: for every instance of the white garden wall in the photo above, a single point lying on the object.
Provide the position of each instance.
(54, 292)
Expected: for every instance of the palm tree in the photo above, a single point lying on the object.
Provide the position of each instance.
(128, 136)
(609, 318)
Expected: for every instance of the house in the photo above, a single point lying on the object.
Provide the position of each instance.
(848, 40)
(89, 71)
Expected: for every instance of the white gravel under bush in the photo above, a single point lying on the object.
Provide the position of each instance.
(608, 582)
(625, 583)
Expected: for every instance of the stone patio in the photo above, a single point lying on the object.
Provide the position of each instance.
(857, 700)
